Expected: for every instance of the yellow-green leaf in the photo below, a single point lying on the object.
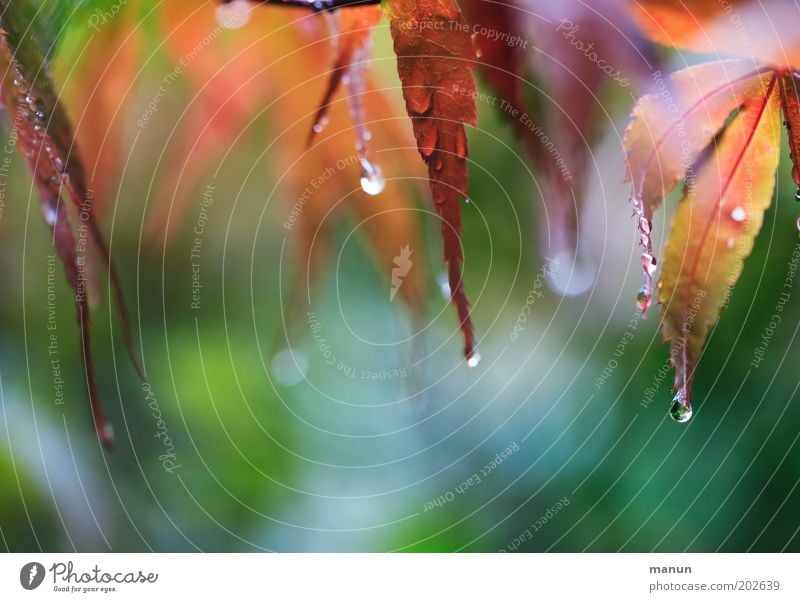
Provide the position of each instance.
(714, 228)
(670, 128)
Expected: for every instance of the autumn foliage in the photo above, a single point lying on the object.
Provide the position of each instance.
(714, 127)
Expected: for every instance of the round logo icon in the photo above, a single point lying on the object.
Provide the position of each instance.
(31, 575)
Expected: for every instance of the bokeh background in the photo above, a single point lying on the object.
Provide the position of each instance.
(559, 440)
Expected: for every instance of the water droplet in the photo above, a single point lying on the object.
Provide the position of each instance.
(444, 285)
(571, 275)
(474, 359)
(797, 223)
(50, 214)
(372, 181)
(681, 410)
(107, 431)
(649, 263)
(289, 367)
(731, 242)
(234, 15)
(321, 125)
(797, 195)
(738, 214)
(478, 49)
(643, 298)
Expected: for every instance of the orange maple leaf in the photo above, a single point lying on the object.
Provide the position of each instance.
(435, 59)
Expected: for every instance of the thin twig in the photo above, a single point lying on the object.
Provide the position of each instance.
(315, 5)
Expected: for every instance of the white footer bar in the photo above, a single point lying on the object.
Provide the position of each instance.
(402, 577)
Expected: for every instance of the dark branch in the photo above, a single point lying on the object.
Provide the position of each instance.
(315, 5)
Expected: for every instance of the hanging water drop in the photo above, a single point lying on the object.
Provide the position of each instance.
(476, 45)
(797, 195)
(573, 274)
(738, 214)
(372, 181)
(234, 15)
(681, 410)
(444, 285)
(648, 263)
(50, 214)
(648, 260)
(320, 126)
(643, 299)
(107, 432)
(473, 359)
(797, 223)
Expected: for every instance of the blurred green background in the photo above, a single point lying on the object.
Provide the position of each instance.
(589, 460)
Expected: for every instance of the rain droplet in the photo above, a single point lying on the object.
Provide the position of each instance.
(444, 285)
(107, 431)
(289, 367)
(643, 299)
(372, 181)
(478, 49)
(233, 15)
(738, 214)
(649, 263)
(797, 223)
(50, 214)
(681, 410)
(474, 359)
(797, 195)
(321, 125)
(572, 275)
